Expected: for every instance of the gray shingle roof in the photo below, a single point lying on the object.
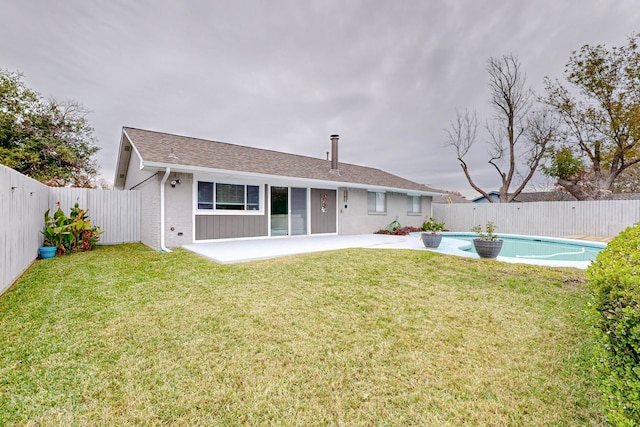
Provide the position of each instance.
(545, 196)
(155, 147)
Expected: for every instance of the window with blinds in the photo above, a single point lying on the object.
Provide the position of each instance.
(228, 197)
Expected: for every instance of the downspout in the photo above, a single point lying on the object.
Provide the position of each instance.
(162, 232)
(430, 207)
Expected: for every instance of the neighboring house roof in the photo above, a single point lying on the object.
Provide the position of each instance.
(450, 198)
(159, 150)
(538, 196)
(563, 196)
(625, 196)
(556, 196)
(545, 196)
(493, 194)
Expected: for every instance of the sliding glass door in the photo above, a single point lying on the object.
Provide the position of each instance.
(289, 211)
(279, 211)
(298, 211)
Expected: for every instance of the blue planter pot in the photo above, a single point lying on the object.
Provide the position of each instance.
(47, 251)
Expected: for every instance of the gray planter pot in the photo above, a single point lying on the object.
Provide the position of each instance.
(487, 248)
(431, 240)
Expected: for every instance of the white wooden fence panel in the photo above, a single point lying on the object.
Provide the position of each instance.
(23, 202)
(22, 205)
(554, 219)
(117, 213)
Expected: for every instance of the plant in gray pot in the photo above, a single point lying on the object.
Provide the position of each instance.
(431, 237)
(487, 244)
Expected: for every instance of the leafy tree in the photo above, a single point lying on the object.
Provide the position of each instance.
(564, 164)
(49, 141)
(600, 113)
(518, 135)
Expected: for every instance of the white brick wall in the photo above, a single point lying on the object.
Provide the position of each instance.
(179, 210)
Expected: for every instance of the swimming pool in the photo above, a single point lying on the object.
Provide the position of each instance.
(549, 251)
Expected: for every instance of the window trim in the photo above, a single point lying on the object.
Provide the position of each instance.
(215, 211)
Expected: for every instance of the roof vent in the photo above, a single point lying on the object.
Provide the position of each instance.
(172, 155)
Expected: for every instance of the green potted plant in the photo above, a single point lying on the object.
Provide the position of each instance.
(487, 244)
(51, 234)
(431, 237)
(63, 235)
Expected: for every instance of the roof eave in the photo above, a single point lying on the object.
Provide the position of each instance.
(122, 163)
(282, 178)
(124, 157)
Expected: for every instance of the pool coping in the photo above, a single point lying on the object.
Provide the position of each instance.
(452, 246)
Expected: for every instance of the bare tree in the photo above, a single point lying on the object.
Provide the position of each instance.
(461, 135)
(518, 136)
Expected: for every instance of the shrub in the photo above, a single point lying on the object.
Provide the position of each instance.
(70, 234)
(488, 234)
(614, 281)
(432, 225)
(399, 231)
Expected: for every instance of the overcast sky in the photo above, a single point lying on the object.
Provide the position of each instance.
(387, 76)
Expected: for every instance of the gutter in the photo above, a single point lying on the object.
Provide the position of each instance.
(300, 181)
(163, 248)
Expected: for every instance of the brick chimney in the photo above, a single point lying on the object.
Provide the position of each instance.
(334, 153)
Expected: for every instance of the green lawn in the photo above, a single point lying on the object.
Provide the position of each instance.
(124, 335)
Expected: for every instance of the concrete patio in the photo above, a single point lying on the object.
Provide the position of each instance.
(244, 250)
(232, 251)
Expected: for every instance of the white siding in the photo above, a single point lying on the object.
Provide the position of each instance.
(135, 176)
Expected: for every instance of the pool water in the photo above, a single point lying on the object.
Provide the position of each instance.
(538, 248)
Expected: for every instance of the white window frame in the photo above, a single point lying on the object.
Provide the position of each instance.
(215, 211)
(380, 202)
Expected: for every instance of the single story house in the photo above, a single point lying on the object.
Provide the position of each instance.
(195, 190)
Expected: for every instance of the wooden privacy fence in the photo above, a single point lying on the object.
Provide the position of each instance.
(553, 219)
(22, 205)
(23, 202)
(116, 212)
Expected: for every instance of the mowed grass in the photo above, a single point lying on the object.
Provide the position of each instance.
(124, 335)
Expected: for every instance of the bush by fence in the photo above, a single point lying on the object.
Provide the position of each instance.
(73, 233)
(614, 280)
